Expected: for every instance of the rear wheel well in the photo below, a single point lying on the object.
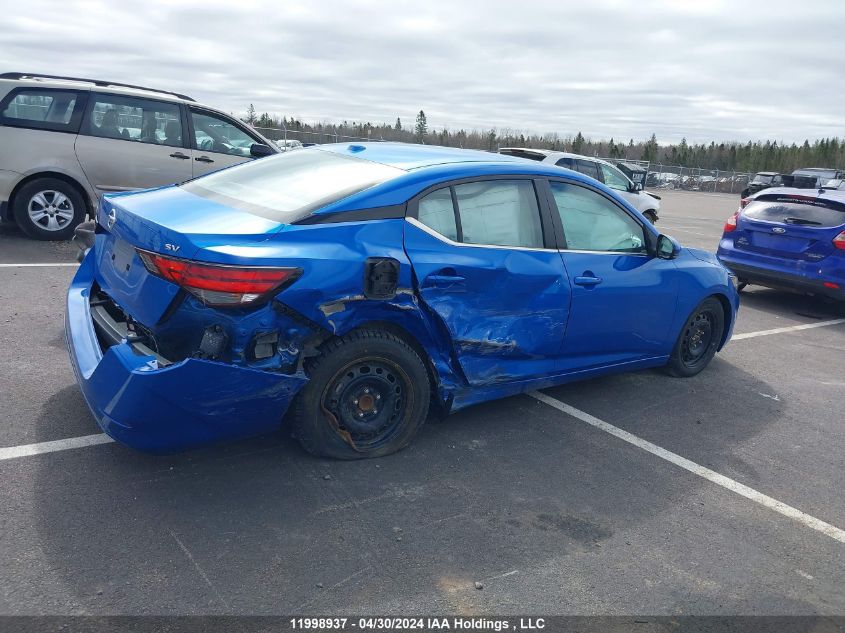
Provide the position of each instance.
(50, 174)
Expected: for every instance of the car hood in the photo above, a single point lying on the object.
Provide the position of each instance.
(705, 256)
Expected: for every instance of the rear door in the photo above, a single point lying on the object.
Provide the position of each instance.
(797, 230)
(623, 299)
(128, 143)
(485, 263)
(217, 141)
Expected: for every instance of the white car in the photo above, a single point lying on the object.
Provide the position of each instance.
(646, 203)
(288, 144)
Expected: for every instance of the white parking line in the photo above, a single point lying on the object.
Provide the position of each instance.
(40, 265)
(734, 486)
(791, 328)
(25, 450)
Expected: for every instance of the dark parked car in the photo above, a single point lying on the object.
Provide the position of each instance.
(811, 177)
(762, 180)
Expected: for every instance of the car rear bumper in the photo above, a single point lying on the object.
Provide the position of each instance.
(780, 279)
(164, 409)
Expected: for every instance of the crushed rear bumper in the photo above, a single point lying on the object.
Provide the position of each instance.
(145, 402)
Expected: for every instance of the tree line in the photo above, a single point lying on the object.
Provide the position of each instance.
(726, 156)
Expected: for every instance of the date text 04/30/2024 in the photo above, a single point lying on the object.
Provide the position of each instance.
(418, 624)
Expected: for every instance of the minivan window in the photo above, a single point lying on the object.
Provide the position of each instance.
(133, 119)
(287, 187)
(500, 213)
(809, 213)
(591, 222)
(41, 108)
(214, 134)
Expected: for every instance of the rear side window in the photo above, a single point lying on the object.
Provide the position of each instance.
(133, 119)
(437, 212)
(565, 162)
(500, 213)
(287, 187)
(811, 213)
(588, 168)
(41, 109)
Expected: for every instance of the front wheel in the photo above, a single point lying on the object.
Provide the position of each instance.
(367, 395)
(698, 340)
(651, 216)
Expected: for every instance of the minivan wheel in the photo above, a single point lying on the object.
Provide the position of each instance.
(48, 209)
(698, 340)
(367, 395)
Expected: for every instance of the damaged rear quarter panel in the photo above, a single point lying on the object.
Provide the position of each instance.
(330, 292)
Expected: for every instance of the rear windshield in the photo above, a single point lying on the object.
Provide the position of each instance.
(288, 187)
(763, 179)
(808, 213)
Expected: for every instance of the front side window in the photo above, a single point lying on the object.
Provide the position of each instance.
(591, 222)
(499, 213)
(215, 134)
(133, 119)
(41, 108)
(286, 187)
(613, 178)
(437, 213)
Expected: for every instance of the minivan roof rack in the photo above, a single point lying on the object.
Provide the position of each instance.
(96, 82)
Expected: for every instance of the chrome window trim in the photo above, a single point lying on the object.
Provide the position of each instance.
(415, 222)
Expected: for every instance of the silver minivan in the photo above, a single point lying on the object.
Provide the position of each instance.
(64, 141)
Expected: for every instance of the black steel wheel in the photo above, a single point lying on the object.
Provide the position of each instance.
(699, 339)
(368, 394)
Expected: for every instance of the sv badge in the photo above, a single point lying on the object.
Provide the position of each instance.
(172, 247)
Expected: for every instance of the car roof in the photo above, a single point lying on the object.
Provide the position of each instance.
(832, 194)
(409, 156)
(766, 173)
(54, 81)
(554, 153)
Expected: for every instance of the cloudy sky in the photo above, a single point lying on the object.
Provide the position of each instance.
(700, 69)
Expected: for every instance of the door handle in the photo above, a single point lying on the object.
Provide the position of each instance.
(442, 281)
(587, 280)
(179, 155)
(203, 159)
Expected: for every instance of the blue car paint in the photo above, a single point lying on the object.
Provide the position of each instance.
(536, 334)
(798, 257)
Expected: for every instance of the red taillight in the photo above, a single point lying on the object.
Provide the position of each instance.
(831, 285)
(730, 225)
(839, 241)
(219, 285)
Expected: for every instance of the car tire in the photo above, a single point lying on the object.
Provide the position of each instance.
(48, 209)
(367, 396)
(651, 216)
(699, 339)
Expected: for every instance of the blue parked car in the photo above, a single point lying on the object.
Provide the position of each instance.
(788, 238)
(354, 288)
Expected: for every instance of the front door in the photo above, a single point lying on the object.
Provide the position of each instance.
(128, 143)
(481, 263)
(217, 142)
(623, 299)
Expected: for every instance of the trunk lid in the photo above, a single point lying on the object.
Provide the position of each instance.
(171, 222)
(790, 227)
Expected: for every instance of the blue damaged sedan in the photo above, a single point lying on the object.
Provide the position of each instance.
(347, 291)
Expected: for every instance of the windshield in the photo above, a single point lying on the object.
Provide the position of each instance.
(811, 212)
(815, 173)
(287, 187)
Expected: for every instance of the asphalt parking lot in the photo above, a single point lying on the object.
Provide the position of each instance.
(553, 512)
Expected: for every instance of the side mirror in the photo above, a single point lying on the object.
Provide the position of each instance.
(258, 150)
(667, 247)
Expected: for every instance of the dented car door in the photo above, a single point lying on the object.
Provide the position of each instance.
(484, 262)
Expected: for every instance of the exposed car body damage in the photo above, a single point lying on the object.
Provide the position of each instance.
(487, 322)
